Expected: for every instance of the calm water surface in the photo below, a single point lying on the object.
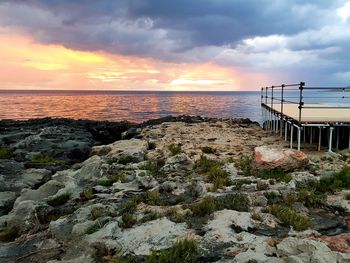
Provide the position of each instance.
(131, 106)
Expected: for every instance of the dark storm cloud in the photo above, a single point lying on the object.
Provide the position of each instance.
(232, 32)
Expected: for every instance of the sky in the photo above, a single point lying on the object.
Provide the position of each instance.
(219, 45)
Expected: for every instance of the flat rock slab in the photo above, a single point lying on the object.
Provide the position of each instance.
(269, 158)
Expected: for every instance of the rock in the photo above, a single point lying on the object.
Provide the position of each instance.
(6, 201)
(305, 250)
(61, 229)
(231, 169)
(33, 177)
(147, 181)
(154, 235)
(176, 162)
(134, 148)
(269, 157)
(340, 243)
(338, 199)
(48, 189)
(90, 170)
(130, 133)
(26, 216)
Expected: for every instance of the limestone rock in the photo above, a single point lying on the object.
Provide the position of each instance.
(269, 157)
(32, 177)
(6, 201)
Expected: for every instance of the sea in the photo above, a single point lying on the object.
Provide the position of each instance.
(139, 106)
(133, 106)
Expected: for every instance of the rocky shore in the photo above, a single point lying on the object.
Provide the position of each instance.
(177, 189)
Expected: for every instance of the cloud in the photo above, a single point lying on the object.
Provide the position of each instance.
(292, 38)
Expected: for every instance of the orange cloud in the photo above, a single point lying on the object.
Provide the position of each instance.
(25, 64)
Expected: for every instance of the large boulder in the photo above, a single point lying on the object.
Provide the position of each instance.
(6, 201)
(134, 149)
(268, 158)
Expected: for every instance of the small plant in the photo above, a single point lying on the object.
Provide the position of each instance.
(278, 175)
(130, 206)
(87, 194)
(206, 206)
(111, 180)
(347, 196)
(218, 177)
(239, 202)
(125, 159)
(256, 216)
(9, 234)
(175, 149)
(142, 174)
(112, 161)
(174, 215)
(150, 217)
(154, 166)
(45, 159)
(93, 228)
(127, 221)
(153, 198)
(204, 164)
(289, 216)
(59, 200)
(97, 212)
(6, 153)
(245, 164)
(239, 238)
(208, 150)
(183, 251)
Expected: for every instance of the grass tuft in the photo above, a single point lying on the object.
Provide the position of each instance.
(93, 228)
(208, 150)
(9, 234)
(6, 153)
(127, 221)
(175, 149)
(46, 159)
(111, 180)
(206, 206)
(87, 194)
(183, 251)
(59, 200)
(288, 216)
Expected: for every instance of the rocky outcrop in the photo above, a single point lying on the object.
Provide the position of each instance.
(269, 158)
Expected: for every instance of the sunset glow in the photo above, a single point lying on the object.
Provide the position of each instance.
(154, 45)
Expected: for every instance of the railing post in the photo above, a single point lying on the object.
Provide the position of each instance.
(282, 100)
(262, 95)
(330, 139)
(301, 102)
(266, 95)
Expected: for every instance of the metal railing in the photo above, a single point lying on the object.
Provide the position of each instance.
(272, 95)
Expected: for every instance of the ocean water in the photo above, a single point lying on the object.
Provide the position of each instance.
(133, 106)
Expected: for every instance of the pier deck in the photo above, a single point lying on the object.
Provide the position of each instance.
(289, 111)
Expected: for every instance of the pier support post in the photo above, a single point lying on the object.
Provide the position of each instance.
(286, 131)
(310, 135)
(291, 135)
(299, 137)
(319, 139)
(330, 139)
(337, 145)
(349, 138)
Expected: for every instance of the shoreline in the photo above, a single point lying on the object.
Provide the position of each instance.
(89, 191)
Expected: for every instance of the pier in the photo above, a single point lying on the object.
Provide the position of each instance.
(313, 115)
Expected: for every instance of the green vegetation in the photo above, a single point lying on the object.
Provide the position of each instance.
(6, 153)
(97, 212)
(278, 175)
(239, 202)
(208, 150)
(347, 196)
(154, 166)
(206, 206)
(184, 251)
(174, 215)
(336, 182)
(142, 174)
(153, 198)
(175, 149)
(9, 234)
(256, 216)
(93, 228)
(45, 159)
(59, 200)
(111, 180)
(150, 217)
(245, 164)
(289, 216)
(87, 194)
(215, 173)
(125, 159)
(127, 221)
